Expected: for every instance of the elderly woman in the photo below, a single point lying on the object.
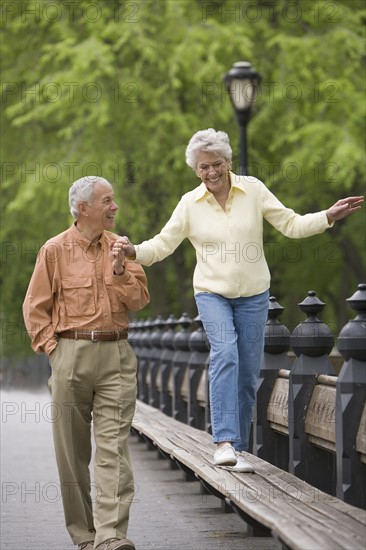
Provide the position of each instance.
(223, 219)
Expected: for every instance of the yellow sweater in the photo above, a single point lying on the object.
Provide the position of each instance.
(229, 243)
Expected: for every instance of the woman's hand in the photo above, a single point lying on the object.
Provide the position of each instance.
(343, 208)
(128, 248)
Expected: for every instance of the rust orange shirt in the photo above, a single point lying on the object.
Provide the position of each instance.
(73, 287)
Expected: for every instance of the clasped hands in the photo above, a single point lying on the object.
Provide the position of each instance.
(117, 256)
(119, 250)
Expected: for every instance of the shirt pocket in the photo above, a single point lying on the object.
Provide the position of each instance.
(78, 296)
(116, 305)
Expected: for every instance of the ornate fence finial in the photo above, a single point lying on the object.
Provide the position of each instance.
(312, 337)
(198, 339)
(276, 336)
(351, 341)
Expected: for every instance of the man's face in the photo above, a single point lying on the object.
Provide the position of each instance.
(102, 210)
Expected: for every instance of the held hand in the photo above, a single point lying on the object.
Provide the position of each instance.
(343, 208)
(128, 247)
(117, 257)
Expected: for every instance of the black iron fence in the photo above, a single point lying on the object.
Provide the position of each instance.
(309, 420)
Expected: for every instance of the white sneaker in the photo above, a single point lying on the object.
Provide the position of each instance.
(225, 456)
(242, 465)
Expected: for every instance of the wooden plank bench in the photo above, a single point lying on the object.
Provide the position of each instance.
(271, 500)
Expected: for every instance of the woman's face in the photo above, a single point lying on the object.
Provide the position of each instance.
(212, 169)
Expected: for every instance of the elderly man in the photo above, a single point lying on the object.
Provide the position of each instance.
(76, 311)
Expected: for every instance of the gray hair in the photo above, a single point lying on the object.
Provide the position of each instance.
(208, 141)
(82, 191)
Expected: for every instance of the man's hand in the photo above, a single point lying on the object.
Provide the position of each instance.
(117, 257)
(343, 208)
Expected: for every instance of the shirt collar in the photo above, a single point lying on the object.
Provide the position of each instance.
(237, 182)
(82, 240)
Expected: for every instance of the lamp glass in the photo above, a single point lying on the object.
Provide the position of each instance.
(242, 93)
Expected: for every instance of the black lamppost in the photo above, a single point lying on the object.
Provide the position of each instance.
(242, 83)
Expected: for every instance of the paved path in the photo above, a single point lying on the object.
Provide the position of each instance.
(168, 513)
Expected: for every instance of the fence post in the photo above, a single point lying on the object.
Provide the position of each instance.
(134, 335)
(198, 364)
(155, 355)
(351, 407)
(311, 342)
(144, 360)
(180, 369)
(166, 364)
(271, 445)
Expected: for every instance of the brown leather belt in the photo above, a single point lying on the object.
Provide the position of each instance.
(95, 335)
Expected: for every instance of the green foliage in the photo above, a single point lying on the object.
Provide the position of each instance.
(117, 88)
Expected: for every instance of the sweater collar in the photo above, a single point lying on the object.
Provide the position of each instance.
(237, 182)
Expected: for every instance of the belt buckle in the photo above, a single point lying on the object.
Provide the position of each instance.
(92, 336)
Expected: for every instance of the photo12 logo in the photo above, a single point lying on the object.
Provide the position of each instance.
(270, 91)
(69, 92)
(255, 11)
(68, 171)
(72, 11)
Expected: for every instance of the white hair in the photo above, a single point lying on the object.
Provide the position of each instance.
(82, 191)
(208, 141)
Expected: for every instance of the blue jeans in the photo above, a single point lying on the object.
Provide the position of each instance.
(235, 331)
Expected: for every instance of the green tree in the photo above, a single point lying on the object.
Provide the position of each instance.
(118, 88)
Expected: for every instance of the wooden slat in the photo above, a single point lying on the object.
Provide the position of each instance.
(201, 389)
(327, 380)
(361, 436)
(277, 411)
(185, 385)
(171, 382)
(158, 380)
(251, 498)
(284, 373)
(328, 503)
(320, 417)
(286, 489)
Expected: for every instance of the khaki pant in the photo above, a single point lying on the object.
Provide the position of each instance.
(94, 383)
